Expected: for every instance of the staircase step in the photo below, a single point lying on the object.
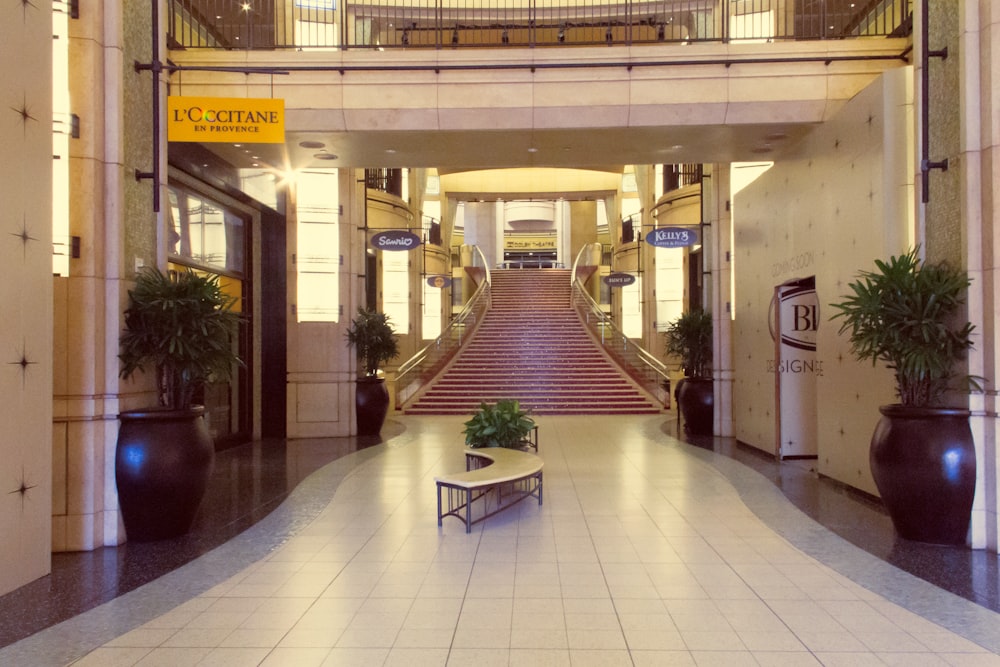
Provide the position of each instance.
(531, 346)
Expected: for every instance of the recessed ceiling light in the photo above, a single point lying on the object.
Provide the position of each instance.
(776, 136)
(532, 150)
(390, 151)
(760, 150)
(325, 156)
(312, 144)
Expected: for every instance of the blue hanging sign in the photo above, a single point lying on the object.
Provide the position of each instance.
(673, 237)
(396, 240)
(619, 279)
(439, 281)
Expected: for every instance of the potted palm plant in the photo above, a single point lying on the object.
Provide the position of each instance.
(182, 326)
(501, 424)
(922, 456)
(689, 338)
(375, 343)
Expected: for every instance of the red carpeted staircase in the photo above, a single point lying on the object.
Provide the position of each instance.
(532, 346)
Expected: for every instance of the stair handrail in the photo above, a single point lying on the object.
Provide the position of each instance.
(639, 363)
(419, 369)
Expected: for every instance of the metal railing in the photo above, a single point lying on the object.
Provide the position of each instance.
(676, 176)
(640, 364)
(388, 24)
(385, 179)
(527, 263)
(421, 368)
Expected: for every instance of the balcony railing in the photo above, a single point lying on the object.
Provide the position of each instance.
(421, 368)
(640, 364)
(438, 24)
(385, 180)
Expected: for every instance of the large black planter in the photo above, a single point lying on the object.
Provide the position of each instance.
(371, 403)
(162, 465)
(696, 401)
(924, 464)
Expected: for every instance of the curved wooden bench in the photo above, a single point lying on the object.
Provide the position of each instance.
(510, 474)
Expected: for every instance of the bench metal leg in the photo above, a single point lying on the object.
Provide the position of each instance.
(440, 517)
(468, 510)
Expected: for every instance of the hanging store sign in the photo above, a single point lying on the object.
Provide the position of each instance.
(395, 240)
(439, 281)
(226, 120)
(673, 237)
(619, 279)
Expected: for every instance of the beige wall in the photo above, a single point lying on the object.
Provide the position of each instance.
(844, 201)
(26, 296)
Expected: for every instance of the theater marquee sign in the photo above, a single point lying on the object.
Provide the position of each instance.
(226, 120)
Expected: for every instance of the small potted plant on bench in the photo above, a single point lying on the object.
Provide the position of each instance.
(502, 424)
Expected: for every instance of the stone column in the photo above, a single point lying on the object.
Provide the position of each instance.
(718, 256)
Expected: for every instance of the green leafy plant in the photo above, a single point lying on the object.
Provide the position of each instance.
(374, 340)
(689, 337)
(903, 314)
(182, 324)
(503, 424)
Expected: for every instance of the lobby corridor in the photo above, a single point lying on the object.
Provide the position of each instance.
(647, 551)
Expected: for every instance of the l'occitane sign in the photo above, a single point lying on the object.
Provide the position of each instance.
(226, 119)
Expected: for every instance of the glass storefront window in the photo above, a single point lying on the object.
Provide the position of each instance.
(631, 296)
(396, 289)
(318, 249)
(202, 232)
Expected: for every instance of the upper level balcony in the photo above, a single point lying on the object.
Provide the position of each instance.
(513, 83)
(446, 24)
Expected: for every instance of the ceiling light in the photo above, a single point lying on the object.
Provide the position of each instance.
(312, 144)
(532, 150)
(325, 156)
(390, 151)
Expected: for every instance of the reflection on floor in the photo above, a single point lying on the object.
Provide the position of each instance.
(252, 481)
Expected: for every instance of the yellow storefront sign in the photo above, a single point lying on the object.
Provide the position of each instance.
(226, 119)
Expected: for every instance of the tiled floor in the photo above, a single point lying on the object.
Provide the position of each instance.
(646, 552)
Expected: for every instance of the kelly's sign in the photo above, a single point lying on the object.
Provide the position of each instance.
(226, 120)
(672, 237)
